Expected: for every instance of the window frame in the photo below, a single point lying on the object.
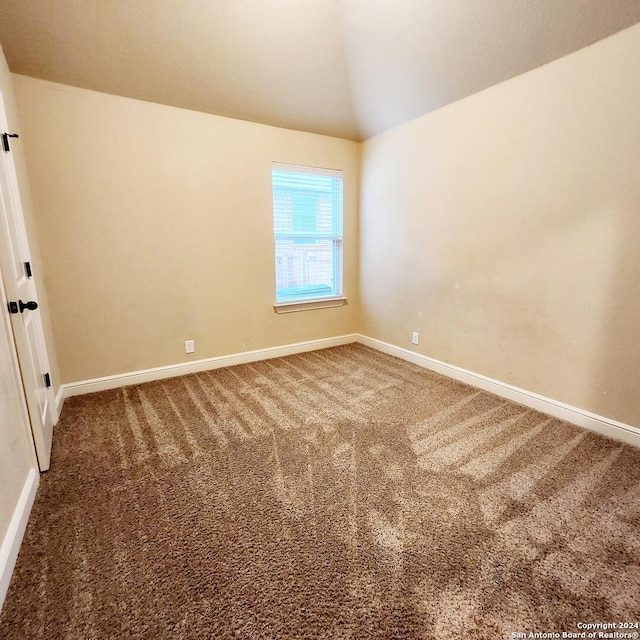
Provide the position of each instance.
(335, 236)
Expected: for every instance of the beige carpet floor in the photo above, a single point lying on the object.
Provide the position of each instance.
(336, 494)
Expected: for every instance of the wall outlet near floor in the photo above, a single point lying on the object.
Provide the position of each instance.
(415, 337)
(189, 346)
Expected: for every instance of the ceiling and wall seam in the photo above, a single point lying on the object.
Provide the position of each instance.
(346, 68)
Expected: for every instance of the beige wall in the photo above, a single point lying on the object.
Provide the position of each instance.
(17, 456)
(156, 227)
(505, 228)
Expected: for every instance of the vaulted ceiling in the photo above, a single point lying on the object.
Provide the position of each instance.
(347, 68)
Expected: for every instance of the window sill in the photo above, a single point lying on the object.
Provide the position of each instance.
(309, 305)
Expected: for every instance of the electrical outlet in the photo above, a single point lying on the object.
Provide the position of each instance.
(189, 346)
(415, 338)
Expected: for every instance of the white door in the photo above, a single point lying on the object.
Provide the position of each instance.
(22, 299)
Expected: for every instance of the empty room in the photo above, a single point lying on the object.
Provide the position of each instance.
(321, 319)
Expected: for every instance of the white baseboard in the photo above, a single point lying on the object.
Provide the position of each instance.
(579, 417)
(195, 366)
(15, 532)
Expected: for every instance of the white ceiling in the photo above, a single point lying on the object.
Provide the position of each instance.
(347, 68)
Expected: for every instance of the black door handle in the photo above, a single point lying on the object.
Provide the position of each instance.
(32, 305)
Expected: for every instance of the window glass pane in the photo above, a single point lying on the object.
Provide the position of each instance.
(307, 209)
(304, 269)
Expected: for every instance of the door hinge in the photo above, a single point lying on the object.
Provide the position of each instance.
(13, 307)
(5, 140)
(27, 269)
(47, 380)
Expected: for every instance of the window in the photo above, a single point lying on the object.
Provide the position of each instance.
(307, 221)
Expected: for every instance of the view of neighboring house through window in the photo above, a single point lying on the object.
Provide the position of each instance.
(307, 219)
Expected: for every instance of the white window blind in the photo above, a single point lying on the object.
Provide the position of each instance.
(307, 220)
